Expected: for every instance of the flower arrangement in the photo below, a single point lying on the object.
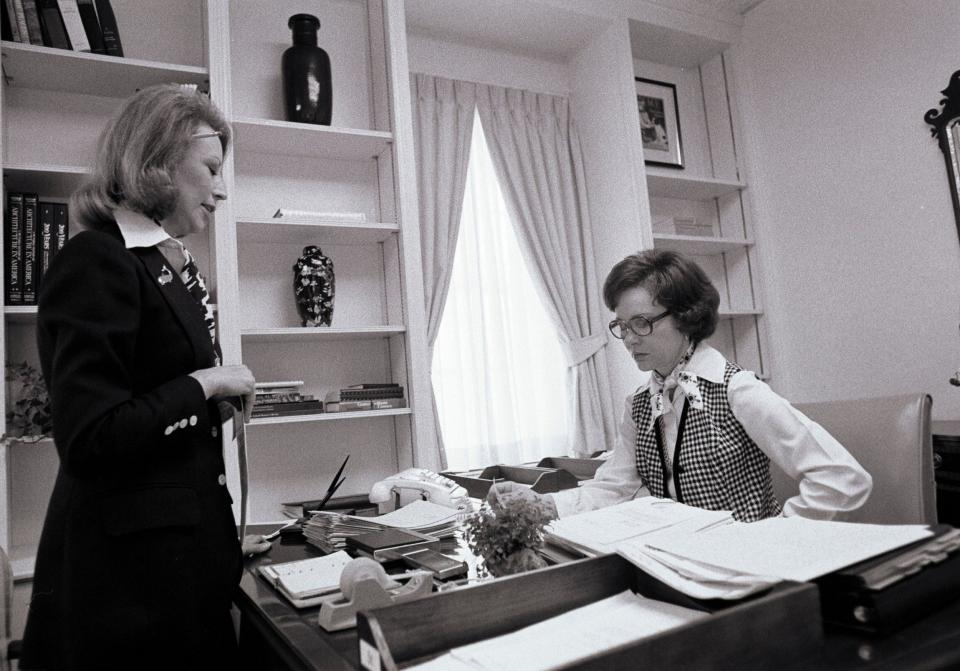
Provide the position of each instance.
(507, 535)
(28, 417)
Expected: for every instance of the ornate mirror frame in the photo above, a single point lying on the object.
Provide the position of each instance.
(946, 128)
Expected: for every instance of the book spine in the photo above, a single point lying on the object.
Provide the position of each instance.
(10, 30)
(20, 18)
(370, 394)
(302, 405)
(357, 406)
(28, 242)
(282, 398)
(279, 383)
(13, 231)
(44, 241)
(73, 24)
(34, 31)
(54, 32)
(108, 28)
(88, 15)
(287, 413)
(61, 227)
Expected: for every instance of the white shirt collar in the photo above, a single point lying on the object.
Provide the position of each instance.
(138, 230)
(706, 363)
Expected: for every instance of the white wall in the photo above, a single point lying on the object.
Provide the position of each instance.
(857, 237)
(431, 56)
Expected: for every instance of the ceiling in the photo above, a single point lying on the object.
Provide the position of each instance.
(531, 29)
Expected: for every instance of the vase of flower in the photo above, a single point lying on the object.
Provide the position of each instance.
(307, 87)
(314, 287)
(507, 535)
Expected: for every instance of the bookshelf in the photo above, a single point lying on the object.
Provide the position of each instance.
(363, 162)
(711, 188)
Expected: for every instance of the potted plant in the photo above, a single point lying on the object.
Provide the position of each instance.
(507, 535)
(28, 413)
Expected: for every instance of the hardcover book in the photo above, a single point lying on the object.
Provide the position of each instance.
(91, 25)
(61, 226)
(44, 241)
(54, 32)
(108, 28)
(28, 243)
(19, 18)
(70, 13)
(32, 17)
(13, 231)
(10, 31)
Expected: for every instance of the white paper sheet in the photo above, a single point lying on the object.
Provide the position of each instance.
(792, 548)
(572, 636)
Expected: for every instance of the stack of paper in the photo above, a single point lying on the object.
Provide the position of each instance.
(707, 555)
(329, 531)
(568, 638)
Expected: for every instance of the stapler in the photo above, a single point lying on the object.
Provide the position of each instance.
(364, 584)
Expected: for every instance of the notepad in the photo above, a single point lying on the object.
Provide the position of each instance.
(306, 581)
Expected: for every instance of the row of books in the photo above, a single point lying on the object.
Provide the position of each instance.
(34, 231)
(285, 398)
(79, 25)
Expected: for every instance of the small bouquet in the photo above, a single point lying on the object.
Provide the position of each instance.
(507, 535)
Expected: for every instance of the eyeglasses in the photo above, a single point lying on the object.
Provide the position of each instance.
(639, 325)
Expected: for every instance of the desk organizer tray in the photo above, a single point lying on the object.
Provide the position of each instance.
(541, 480)
(778, 628)
(581, 469)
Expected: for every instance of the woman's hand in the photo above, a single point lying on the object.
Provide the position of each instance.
(254, 544)
(234, 380)
(502, 492)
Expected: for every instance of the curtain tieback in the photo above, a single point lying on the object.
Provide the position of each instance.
(579, 350)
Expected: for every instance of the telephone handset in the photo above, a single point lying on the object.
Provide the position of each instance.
(419, 483)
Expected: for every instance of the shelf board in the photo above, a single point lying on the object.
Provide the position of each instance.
(22, 561)
(699, 245)
(664, 183)
(311, 232)
(322, 417)
(50, 180)
(310, 334)
(24, 314)
(284, 137)
(736, 314)
(48, 69)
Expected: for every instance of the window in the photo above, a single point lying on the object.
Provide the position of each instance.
(498, 371)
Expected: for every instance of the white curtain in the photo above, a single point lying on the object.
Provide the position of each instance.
(536, 153)
(443, 113)
(498, 370)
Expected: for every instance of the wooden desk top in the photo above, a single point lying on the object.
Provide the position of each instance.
(296, 637)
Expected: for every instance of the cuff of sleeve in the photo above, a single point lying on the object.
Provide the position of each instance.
(186, 407)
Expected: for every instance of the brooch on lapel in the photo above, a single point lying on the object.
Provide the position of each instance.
(166, 276)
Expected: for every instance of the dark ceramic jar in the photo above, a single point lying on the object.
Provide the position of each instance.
(307, 91)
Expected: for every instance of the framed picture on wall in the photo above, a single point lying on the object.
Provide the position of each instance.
(659, 123)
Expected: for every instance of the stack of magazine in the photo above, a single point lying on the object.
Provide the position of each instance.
(329, 530)
(367, 396)
(283, 398)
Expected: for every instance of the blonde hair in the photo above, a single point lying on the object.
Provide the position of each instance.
(139, 150)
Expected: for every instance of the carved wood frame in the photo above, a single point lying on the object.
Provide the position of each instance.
(946, 128)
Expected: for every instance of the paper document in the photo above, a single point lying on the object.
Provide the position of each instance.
(418, 515)
(570, 637)
(307, 577)
(791, 548)
(599, 531)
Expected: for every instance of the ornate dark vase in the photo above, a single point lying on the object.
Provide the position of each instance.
(307, 89)
(313, 287)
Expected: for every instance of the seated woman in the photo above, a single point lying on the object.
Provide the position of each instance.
(701, 430)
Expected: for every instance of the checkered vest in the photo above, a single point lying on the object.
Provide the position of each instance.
(717, 465)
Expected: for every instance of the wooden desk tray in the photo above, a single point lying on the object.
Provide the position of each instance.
(775, 629)
(581, 469)
(542, 480)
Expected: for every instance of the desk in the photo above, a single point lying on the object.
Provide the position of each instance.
(274, 635)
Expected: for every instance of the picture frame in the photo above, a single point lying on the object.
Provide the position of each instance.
(659, 123)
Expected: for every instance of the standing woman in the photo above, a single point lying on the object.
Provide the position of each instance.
(139, 554)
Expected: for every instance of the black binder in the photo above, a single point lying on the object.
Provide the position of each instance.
(888, 592)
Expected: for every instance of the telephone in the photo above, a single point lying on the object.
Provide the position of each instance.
(419, 483)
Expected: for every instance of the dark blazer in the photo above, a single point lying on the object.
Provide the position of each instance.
(139, 555)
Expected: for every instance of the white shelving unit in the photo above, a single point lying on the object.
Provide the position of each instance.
(363, 162)
(710, 187)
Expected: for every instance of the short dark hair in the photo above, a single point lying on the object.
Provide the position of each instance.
(674, 281)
